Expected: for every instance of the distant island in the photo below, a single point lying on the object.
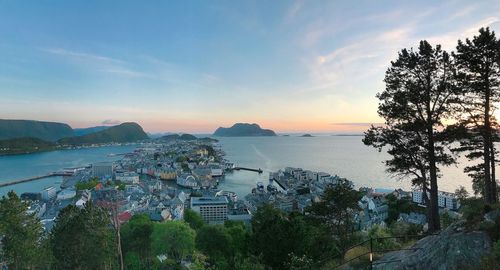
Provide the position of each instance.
(243, 130)
(307, 135)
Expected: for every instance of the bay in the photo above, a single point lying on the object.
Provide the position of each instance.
(345, 156)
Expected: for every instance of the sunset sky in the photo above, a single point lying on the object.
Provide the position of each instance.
(191, 66)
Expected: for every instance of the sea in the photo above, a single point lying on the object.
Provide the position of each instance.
(345, 156)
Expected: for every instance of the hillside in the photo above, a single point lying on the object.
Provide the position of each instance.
(126, 132)
(243, 129)
(85, 131)
(183, 137)
(48, 131)
(24, 146)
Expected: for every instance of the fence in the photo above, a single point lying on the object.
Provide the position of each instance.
(372, 251)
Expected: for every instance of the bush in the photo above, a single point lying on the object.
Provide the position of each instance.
(473, 210)
(355, 252)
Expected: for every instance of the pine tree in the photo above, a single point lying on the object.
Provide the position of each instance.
(20, 233)
(414, 103)
(478, 76)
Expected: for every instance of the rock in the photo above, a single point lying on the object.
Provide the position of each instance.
(453, 248)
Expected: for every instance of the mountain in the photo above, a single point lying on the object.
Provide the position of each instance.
(183, 137)
(243, 129)
(307, 135)
(48, 131)
(169, 137)
(187, 137)
(24, 146)
(126, 132)
(85, 131)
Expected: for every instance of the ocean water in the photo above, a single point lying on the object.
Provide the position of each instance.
(345, 156)
(23, 166)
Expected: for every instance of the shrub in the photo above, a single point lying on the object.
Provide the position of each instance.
(472, 210)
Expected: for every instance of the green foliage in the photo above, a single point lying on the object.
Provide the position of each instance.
(239, 234)
(336, 210)
(398, 206)
(174, 239)
(214, 241)
(382, 244)
(462, 194)
(87, 185)
(275, 235)
(136, 237)
(133, 262)
(248, 263)
(194, 219)
(496, 251)
(83, 239)
(22, 240)
(403, 228)
(472, 210)
(447, 219)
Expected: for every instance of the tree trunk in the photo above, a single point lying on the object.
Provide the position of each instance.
(434, 222)
(486, 148)
(493, 177)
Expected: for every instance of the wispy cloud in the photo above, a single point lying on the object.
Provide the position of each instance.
(126, 72)
(81, 55)
(98, 62)
(110, 122)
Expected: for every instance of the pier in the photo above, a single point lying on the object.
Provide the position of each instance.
(259, 170)
(18, 181)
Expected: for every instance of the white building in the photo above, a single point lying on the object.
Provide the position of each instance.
(128, 177)
(445, 199)
(102, 169)
(49, 193)
(187, 181)
(66, 194)
(212, 209)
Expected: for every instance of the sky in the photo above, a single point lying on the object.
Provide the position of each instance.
(192, 66)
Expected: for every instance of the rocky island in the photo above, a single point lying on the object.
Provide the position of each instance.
(243, 130)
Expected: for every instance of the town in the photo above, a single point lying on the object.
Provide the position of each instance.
(162, 179)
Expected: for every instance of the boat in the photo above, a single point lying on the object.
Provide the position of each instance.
(272, 189)
(260, 186)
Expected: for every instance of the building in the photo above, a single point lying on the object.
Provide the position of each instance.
(66, 194)
(128, 177)
(187, 181)
(445, 199)
(212, 209)
(49, 193)
(102, 169)
(169, 174)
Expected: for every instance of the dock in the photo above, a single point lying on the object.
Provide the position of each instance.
(259, 170)
(29, 179)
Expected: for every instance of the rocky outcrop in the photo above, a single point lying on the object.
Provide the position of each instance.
(453, 248)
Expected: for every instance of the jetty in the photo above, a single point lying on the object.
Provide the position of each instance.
(29, 179)
(259, 170)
